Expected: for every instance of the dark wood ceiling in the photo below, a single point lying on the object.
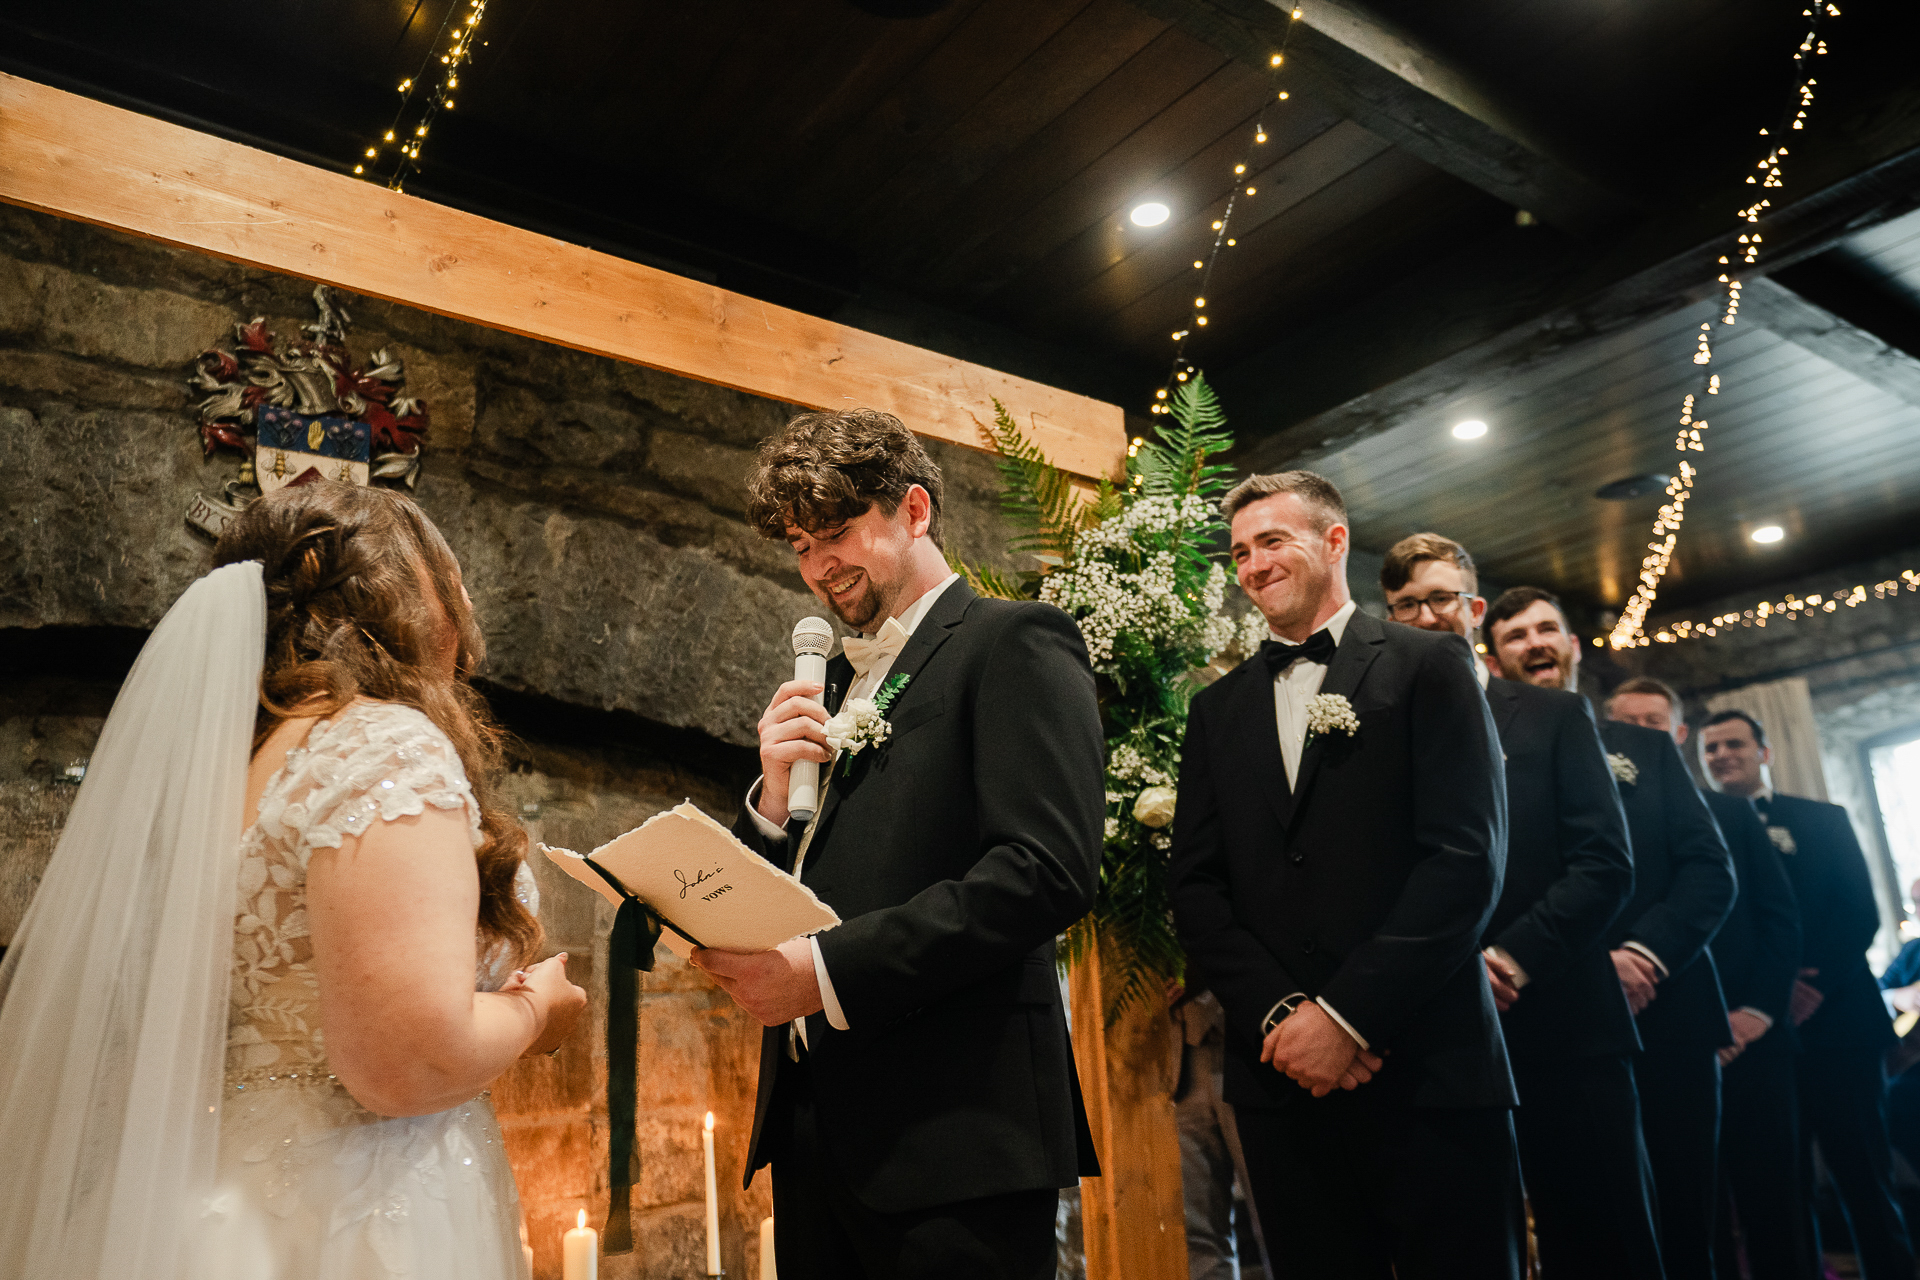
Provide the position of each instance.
(982, 160)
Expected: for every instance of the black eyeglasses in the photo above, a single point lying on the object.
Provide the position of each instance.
(1441, 603)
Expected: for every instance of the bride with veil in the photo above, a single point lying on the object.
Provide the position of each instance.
(285, 941)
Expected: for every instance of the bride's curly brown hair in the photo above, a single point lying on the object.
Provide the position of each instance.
(364, 600)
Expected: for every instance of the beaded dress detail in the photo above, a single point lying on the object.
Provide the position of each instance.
(312, 1185)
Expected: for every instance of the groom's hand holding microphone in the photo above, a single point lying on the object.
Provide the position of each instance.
(780, 985)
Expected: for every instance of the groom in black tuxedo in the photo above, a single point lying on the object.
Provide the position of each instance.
(1569, 872)
(1338, 846)
(918, 1100)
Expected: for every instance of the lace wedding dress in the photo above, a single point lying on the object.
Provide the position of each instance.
(311, 1185)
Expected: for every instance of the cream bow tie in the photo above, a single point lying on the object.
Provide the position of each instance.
(884, 647)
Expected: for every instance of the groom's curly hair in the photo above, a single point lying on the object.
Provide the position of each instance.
(824, 469)
(364, 600)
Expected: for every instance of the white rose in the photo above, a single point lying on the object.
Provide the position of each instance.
(843, 729)
(1154, 808)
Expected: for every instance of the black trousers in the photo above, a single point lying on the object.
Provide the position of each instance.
(1762, 1198)
(1585, 1168)
(823, 1232)
(1366, 1189)
(1843, 1107)
(1680, 1115)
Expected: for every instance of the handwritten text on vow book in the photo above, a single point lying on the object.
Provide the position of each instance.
(692, 871)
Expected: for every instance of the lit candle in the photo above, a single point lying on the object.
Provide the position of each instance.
(582, 1251)
(768, 1271)
(713, 1205)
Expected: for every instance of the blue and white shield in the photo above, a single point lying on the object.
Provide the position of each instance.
(290, 444)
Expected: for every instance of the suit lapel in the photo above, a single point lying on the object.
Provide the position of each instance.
(1505, 700)
(1359, 646)
(946, 614)
(1257, 730)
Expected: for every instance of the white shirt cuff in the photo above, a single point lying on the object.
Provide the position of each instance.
(1344, 1025)
(835, 1018)
(1752, 1012)
(760, 822)
(1638, 949)
(1500, 958)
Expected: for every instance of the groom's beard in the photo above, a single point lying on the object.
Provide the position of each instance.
(864, 611)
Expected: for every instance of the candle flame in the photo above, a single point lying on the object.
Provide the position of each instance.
(709, 1122)
(583, 1219)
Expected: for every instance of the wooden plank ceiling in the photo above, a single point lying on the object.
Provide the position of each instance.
(982, 160)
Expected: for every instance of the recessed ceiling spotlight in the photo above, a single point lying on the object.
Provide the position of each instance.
(1768, 533)
(1151, 214)
(1471, 429)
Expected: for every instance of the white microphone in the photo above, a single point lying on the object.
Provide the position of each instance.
(812, 638)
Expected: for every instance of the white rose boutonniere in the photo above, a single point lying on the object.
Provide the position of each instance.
(1624, 770)
(857, 725)
(862, 722)
(1330, 713)
(1154, 808)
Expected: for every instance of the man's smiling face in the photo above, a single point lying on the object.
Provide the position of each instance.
(858, 569)
(1534, 645)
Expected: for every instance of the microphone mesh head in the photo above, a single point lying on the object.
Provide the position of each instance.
(812, 635)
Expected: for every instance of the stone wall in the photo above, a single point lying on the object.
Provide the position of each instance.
(635, 626)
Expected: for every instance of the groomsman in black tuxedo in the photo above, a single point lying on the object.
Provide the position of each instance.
(1338, 847)
(918, 1100)
(1757, 954)
(1843, 1025)
(1569, 872)
(1683, 888)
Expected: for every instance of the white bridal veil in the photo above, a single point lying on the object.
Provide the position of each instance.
(113, 996)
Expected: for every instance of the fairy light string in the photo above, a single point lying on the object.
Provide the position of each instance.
(1791, 608)
(1629, 632)
(400, 144)
(1223, 238)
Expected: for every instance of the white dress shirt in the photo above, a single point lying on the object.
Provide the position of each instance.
(1293, 687)
(862, 687)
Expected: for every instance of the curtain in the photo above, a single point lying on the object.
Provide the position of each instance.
(1786, 709)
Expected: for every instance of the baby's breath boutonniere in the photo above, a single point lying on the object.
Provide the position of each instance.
(1330, 713)
(1624, 769)
(862, 722)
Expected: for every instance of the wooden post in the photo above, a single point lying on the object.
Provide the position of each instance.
(1133, 1215)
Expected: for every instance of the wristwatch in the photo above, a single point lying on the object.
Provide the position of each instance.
(1281, 1012)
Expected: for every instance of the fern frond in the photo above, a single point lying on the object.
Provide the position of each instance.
(1193, 430)
(989, 581)
(1035, 495)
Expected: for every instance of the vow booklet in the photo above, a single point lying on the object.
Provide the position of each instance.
(704, 883)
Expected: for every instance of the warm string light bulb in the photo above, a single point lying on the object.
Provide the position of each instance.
(1767, 173)
(459, 34)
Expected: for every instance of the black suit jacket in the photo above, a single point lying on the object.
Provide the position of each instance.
(1838, 918)
(1369, 884)
(1683, 888)
(1757, 951)
(954, 853)
(1569, 872)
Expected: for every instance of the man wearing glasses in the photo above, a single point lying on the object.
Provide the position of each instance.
(1569, 872)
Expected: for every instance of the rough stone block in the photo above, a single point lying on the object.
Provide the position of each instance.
(447, 385)
(81, 381)
(149, 328)
(702, 468)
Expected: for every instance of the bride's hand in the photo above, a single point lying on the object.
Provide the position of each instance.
(557, 1001)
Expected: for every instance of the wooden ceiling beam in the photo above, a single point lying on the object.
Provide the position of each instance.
(1383, 79)
(1860, 352)
(1504, 306)
(77, 158)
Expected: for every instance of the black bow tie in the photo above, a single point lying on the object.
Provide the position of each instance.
(1761, 806)
(1318, 648)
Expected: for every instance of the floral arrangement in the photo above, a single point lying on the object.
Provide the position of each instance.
(1139, 568)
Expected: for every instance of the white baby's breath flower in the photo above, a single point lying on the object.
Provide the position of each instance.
(1113, 828)
(1331, 713)
(1624, 769)
(1154, 808)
